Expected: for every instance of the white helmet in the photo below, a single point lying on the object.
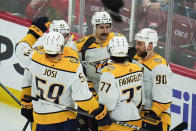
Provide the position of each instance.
(54, 42)
(147, 35)
(101, 18)
(118, 46)
(59, 26)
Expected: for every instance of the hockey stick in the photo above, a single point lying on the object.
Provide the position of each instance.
(180, 127)
(27, 123)
(76, 110)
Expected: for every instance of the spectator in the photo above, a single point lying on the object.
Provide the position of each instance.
(156, 4)
(16, 7)
(189, 8)
(55, 9)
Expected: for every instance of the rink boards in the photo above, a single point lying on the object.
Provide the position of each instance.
(13, 29)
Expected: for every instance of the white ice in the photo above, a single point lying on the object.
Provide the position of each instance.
(11, 119)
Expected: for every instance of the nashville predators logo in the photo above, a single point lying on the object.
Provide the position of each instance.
(38, 47)
(118, 34)
(99, 65)
(157, 60)
(80, 40)
(110, 67)
(74, 60)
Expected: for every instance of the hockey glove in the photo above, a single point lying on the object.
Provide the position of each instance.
(102, 116)
(90, 86)
(151, 121)
(39, 26)
(27, 109)
(115, 7)
(131, 53)
(82, 121)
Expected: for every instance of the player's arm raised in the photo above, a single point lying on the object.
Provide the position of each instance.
(24, 47)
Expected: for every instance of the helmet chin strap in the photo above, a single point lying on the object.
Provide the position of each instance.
(148, 52)
(94, 29)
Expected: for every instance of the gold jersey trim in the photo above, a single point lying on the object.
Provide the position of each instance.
(151, 63)
(51, 118)
(65, 64)
(122, 70)
(29, 38)
(88, 105)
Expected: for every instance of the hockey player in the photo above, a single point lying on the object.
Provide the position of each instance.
(56, 78)
(120, 87)
(157, 80)
(94, 54)
(56, 26)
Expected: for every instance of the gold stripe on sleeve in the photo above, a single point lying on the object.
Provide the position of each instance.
(30, 39)
(88, 105)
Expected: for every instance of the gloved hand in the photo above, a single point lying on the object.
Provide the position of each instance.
(82, 121)
(27, 109)
(39, 26)
(90, 86)
(131, 53)
(151, 121)
(102, 116)
(115, 7)
(152, 114)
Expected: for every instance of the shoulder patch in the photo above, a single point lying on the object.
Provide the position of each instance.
(38, 47)
(110, 67)
(80, 40)
(157, 60)
(118, 34)
(40, 52)
(74, 60)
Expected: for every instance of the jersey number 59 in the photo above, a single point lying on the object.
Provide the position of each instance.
(52, 92)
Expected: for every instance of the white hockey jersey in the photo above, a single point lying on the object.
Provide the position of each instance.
(96, 58)
(120, 90)
(157, 85)
(61, 82)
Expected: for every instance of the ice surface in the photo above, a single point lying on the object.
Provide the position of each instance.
(11, 119)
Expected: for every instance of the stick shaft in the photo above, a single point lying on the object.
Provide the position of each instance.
(76, 110)
(10, 94)
(27, 123)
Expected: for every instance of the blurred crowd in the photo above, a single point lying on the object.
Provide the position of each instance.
(150, 13)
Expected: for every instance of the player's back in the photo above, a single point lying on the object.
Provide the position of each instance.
(125, 91)
(52, 81)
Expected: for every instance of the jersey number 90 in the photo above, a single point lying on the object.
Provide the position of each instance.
(161, 79)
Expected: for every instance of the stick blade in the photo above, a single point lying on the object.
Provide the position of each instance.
(180, 127)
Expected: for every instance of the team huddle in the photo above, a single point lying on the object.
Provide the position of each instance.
(94, 75)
